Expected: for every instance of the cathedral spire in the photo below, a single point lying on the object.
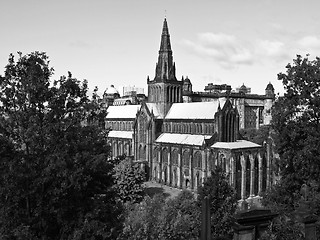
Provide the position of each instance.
(165, 37)
(165, 69)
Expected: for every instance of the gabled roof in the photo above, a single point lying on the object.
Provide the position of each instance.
(240, 144)
(184, 139)
(194, 110)
(120, 134)
(120, 112)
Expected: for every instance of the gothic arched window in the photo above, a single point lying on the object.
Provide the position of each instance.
(165, 156)
(155, 154)
(186, 158)
(198, 160)
(174, 157)
(143, 128)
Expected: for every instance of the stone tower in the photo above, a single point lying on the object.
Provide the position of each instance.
(165, 89)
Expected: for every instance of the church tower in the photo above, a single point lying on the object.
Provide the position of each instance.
(165, 89)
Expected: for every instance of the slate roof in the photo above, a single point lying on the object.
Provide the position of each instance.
(239, 144)
(184, 139)
(194, 110)
(121, 134)
(126, 111)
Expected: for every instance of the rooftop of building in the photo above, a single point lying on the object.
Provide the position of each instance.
(195, 110)
(122, 112)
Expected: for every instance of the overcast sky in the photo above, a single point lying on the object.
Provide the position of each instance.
(117, 42)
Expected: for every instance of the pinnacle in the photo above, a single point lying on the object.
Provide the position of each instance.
(165, 30)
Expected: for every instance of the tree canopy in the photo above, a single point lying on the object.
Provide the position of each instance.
(158, 218)
(222, 201)
(55, 178)
(180, 217)
(296, 129)
(129, 178)
(295, 120)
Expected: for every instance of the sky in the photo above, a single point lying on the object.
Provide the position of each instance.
(116, 42)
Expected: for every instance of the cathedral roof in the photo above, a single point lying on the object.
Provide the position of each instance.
(185, 139)
(195, 110)
(121, 134)
(239, 144)
(126, 111)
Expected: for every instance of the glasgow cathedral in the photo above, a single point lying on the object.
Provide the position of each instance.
(180, 136)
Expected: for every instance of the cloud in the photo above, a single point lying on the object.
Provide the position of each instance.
(276, 51)
(223, 49)
(271, 48)
(229, 51)
(309, 43)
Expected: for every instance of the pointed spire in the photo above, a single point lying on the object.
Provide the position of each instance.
(165, 68)
(165, 30)
(165, 37)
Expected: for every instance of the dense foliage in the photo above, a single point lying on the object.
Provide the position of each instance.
(223, 203)
(156, 218)
(129, 178)
(295, 123)
(259, 136)
(55, 180)
(283, 228)
(296, 120)
(180, 217)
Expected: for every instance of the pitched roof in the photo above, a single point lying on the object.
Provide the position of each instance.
(194, 110)
(185, 139)
(126, 111)
(120, 134)
(239, 144)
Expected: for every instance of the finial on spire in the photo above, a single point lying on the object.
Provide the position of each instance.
(165, 13)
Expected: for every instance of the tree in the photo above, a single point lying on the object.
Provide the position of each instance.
(129, 179)
(258, 136)
(223, 203)
(295, 123)
(282, 197)
(157, 218)
(56, 182)
(141, 222)
(181, 217)
(296, 118)
(283, 228)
